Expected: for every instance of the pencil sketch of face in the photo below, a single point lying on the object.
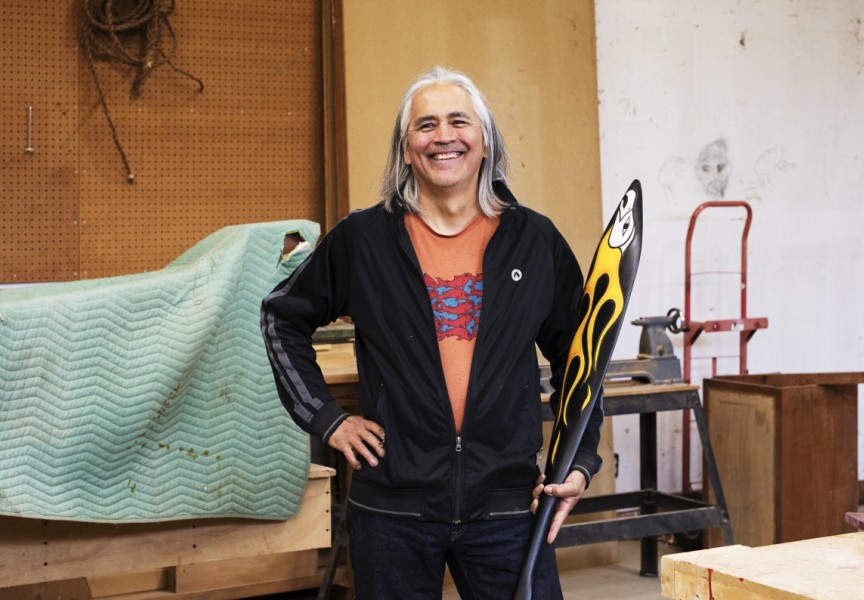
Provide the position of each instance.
(712, 168)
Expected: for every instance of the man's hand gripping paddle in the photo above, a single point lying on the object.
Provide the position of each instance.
(601, 311)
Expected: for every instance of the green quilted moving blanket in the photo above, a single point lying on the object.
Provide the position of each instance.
(149, 397)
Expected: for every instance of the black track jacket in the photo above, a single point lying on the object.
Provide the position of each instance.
(366, 268)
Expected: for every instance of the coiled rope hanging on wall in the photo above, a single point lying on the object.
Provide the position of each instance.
(131, 32)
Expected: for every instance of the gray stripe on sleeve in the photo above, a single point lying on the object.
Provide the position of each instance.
(303, 400)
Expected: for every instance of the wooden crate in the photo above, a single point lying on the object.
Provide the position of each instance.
(196, 559)
(786, 450)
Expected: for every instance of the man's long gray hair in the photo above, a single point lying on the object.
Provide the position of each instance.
(399, 181)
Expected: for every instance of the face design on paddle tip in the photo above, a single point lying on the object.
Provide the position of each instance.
(623, 229)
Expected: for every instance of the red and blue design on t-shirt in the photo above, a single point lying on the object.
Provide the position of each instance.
(456, 305)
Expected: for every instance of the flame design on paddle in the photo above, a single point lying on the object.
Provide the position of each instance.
(601, 306)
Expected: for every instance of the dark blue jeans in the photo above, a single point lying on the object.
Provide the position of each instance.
(403, 559)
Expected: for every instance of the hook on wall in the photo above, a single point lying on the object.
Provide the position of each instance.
(29, 148)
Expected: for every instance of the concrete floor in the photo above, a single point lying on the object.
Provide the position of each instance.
(619, 581)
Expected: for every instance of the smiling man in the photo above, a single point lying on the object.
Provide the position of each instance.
(451, 285)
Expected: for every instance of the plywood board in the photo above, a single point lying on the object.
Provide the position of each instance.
(743, 435)
(820, 568)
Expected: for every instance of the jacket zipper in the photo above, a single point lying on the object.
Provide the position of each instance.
(457, 483)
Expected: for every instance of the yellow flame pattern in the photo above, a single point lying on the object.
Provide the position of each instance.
(593, 328)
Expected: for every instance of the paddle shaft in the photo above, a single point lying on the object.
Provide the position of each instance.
(548, 504)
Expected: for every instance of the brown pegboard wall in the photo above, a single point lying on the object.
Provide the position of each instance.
(39, 216)
(247, 149)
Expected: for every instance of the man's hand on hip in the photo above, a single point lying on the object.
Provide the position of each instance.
(358, 436)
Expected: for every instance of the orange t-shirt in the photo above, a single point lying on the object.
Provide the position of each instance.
(453, 271)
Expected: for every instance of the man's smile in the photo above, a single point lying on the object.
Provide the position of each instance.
(445, 155)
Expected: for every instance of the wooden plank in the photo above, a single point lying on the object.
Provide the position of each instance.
(615, 389)
(826, 568)
(233, 593)
(35, 550)
(68, 589)
(218, 574)
(781, 380)
(743, 434)
(337, 362)
(121, 584)
(818, 440)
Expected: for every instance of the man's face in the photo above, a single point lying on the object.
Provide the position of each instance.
(445, 140)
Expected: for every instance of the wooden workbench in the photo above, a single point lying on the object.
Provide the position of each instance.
(822, 568)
